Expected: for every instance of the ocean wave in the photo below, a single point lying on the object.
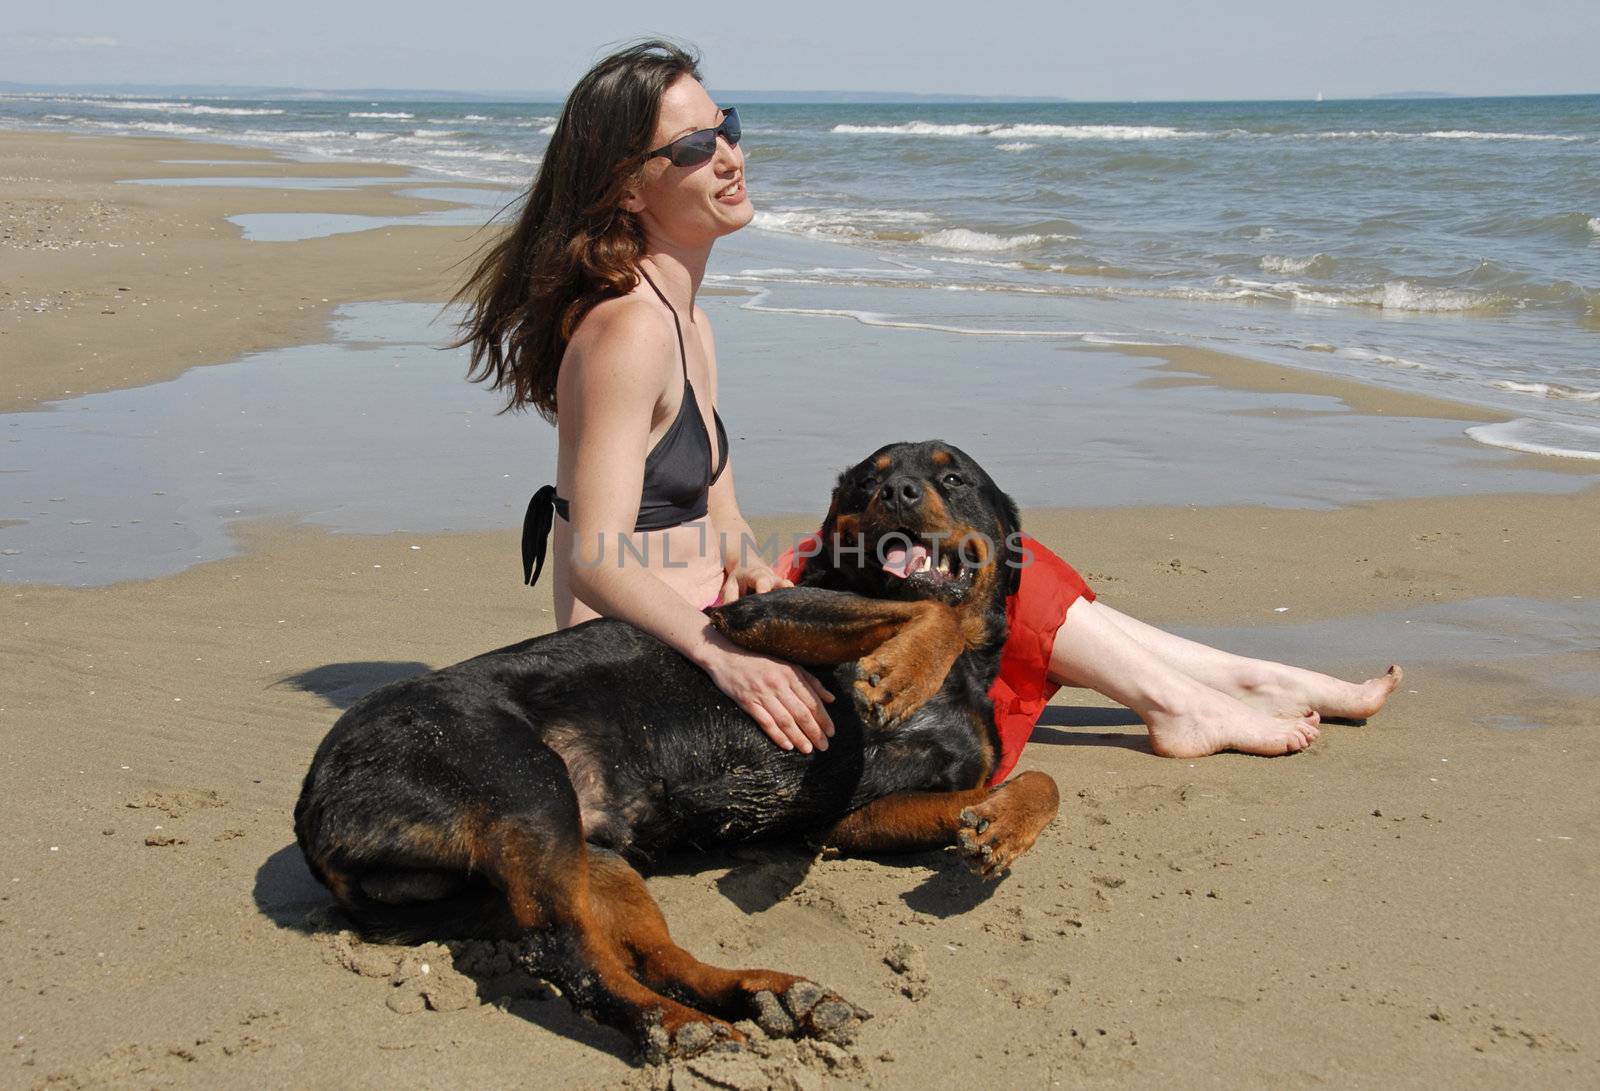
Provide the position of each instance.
(171, 128)
(961, 238)
(474, 117)
(382, 115)
(1541, 437)
(981, 263)
(429, 136)
(1394, 295)
(879, 319)
(1021, 131)
(1555, 391)
(1399, 295)
(1015, 146)
(1515, 224)
(489, 156)
(179, 107)
(1121, 341)
(1317, 265)
(1384, 358)
(888, 224)
(1438, 134)
(293, 136)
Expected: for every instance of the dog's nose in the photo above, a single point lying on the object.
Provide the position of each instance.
(900, 494)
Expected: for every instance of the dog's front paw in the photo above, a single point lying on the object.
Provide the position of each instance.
(666, 1038)
(807, 1010)
(886, 694)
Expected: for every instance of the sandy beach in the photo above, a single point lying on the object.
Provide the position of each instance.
(1409, 903)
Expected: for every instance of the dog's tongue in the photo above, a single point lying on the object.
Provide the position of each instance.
(900, 561)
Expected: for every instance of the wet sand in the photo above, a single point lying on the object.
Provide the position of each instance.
(108, 286)
(1407, 904)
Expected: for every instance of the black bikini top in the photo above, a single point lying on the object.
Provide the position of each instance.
(678, 472)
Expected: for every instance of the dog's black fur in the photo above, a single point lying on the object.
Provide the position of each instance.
(502, 794)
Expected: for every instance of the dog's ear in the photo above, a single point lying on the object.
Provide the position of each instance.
(825, 559)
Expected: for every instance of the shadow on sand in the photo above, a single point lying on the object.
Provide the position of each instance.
(343, 684)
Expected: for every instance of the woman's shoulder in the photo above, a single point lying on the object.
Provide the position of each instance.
(626, 334)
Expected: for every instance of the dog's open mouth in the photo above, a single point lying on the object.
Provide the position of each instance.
(938, 565)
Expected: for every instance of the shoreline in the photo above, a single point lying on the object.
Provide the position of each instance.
(1411, 889)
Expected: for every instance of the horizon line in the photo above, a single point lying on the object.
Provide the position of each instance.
(793, 97)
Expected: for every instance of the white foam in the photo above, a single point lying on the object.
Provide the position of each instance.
(1541, 437)
(982, 263)
(1099, 132)
(1438, 134)
(1395, 295)
(1063, 132)
(836, 223)
(382, 115)
(915, 128)
(429, 136)
(960, 238)
(1398, 295)
(180, 107)
(1015, 146)
(1118, 340)
(173, 128)
(877, 319)
(474, 117)
(497, 157)
(1274, 263)
(1549, 390)
(292, 136)
(1386, 359)
(1594, 224)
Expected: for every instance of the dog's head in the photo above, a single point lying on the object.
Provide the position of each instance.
(924, 521)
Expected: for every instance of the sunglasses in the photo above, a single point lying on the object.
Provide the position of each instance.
(696, 148)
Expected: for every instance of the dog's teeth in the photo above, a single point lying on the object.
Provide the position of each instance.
(926, 564)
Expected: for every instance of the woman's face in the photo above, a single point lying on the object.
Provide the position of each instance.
(690, 206)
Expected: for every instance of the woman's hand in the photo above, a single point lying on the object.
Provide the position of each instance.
(750, 579)
(786, 700)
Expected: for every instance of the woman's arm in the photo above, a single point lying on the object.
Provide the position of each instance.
(611, 379)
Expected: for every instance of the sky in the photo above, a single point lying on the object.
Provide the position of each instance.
(1161, 49)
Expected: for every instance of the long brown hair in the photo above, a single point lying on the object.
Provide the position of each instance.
(572, 246)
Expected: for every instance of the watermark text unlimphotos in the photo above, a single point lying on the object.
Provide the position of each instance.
(973, 550)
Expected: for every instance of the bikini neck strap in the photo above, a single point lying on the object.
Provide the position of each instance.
(683, 356)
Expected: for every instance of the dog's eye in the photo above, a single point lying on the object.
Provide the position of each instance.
(952, 479)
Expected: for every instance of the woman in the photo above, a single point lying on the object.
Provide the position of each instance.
(587, 304)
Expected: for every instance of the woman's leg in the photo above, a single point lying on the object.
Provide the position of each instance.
(1276, 688)
(1186, 717)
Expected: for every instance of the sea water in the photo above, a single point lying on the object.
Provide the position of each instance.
(1448, 246)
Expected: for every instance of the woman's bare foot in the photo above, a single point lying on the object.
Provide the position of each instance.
(1208, 722)
(1292, 692)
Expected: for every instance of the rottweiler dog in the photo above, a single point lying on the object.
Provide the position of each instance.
(509, 794)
